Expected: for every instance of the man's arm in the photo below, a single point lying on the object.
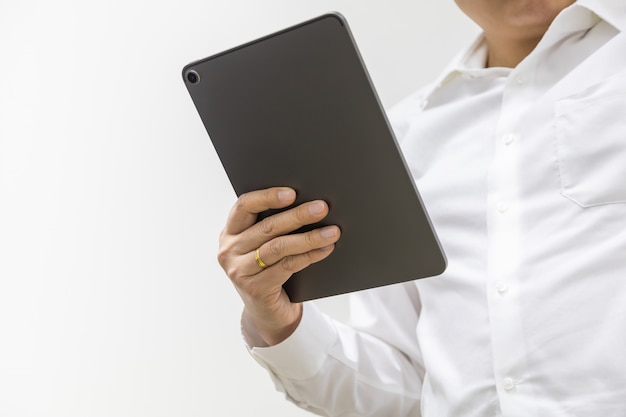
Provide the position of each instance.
(371, 367)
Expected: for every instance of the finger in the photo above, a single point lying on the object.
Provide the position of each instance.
(290, 245)
(273, 277)
(245, 265)
(281, 224)
(248, 205)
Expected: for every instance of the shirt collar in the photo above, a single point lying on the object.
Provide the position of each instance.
(612, 11)
(470, 63)
(581, 15)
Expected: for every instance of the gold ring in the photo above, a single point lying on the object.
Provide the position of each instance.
(259, 261)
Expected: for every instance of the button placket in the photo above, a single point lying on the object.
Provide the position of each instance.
(503, 257)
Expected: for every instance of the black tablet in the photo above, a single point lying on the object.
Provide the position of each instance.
(297, 108)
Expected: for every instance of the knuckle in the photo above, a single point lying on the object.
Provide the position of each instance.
(302, 214)
(315, 256)
(225, 251)
(229, 260)
(310, 239)
(267, 226)
(310, 257)
(241, 202)
(233, 272)
(222, 257)
(276, 247)
(288, 263)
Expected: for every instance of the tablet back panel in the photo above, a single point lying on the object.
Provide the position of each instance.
(297, 109)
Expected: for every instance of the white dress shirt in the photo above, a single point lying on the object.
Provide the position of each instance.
(523, 172)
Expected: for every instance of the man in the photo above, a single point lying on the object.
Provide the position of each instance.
(519, 151)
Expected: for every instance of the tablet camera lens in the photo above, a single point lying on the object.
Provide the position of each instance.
(193, 77)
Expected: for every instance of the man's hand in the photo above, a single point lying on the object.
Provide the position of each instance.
(259, 283)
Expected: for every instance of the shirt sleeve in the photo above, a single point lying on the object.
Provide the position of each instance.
(369, 367)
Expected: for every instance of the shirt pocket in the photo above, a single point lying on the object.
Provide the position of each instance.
(590, 143)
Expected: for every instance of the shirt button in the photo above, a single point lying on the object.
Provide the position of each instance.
(501, 287)
(502, 207)
(519, 80)
(509, 384)
(508, 138)
(468, 76)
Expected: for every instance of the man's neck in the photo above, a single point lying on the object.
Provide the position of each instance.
(507, 52)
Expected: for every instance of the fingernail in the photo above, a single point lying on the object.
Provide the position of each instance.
(286, 195)
(316, 208)
(329, 231)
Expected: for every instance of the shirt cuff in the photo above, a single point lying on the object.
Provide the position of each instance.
(302, 354)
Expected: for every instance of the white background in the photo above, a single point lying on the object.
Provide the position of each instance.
(112, 198)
